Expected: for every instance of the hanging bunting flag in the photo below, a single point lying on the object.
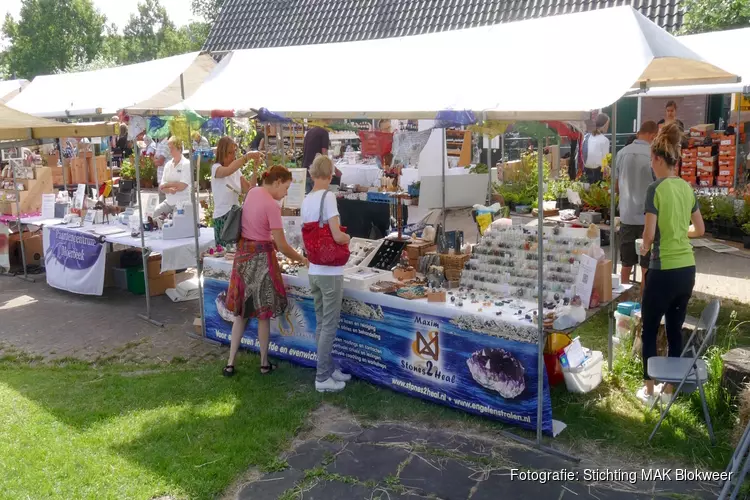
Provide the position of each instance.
(407, 146)
(537, 130)
(178, 127)
(158, 128)
(195, 120)
(452, 118)
(492, 128)
(136, 127)
(268, 117)
(215, 126)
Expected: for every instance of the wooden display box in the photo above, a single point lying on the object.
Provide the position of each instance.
(61, 175)
(79, 169)
(97, 166)
(435, 296)
(52, 160)
(419, 249)
(404, 274)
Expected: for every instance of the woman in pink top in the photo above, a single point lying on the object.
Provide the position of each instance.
(256, 289)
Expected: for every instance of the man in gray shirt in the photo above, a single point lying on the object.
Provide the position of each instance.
(634, 176)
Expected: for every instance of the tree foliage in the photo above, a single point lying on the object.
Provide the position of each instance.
(51, 34)
(702, 16)
(207, 9)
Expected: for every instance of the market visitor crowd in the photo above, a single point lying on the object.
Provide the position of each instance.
(658, 211)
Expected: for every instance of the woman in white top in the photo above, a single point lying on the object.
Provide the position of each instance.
(227, 183)
(175, 181)
(597, 150)
(326, 282)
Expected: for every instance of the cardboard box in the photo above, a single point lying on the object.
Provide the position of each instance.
(97, 166)
(689, 153)
(706, 161)
(702, 130)
(692, 180)
(61, 176)
(53, 159)
(79, 169)
(112, 261)
(160, 284)
(706, 171)
(703, 152)
(603, 280)
(706, 181)
(726, 172)
(728, 140)
(725, 181)
(688, 171)
(32, 246)
(153, 265)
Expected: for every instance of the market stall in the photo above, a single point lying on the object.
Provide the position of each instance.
(11, 88)
(660, 59)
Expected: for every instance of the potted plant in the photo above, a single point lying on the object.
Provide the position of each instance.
(724, 212)
(413, 189)
(127, 175)
(148, 172)
(707, 212)
(746, 235)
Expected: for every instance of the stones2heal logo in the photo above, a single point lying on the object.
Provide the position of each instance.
(425, 352)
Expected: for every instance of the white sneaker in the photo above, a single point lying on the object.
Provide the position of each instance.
(329, 385)
(646, 399)
(340, 376)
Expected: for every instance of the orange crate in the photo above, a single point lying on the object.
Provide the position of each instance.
(689, 171)
(706, 161)
(703, 152)
(689, 153)
(706, 181)
(725, 181)
(726, 171)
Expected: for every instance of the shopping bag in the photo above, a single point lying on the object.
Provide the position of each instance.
(320, 246)
(230, 233)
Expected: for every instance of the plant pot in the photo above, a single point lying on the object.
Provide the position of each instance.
(564, 204)
(147, 183)
(746, 241)
(709, 226)
(736, 234)
(127, 184)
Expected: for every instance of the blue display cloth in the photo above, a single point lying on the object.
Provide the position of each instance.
(428, 350)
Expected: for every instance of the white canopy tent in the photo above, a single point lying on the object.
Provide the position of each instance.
(422, 74)
(18, 126)
(157, 84)
(10, 88)
(723, 48)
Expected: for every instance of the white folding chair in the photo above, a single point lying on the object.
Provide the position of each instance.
(689, 373)
(738, 458)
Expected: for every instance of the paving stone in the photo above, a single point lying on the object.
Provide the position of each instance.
(271, 486)
(310, 454)
(447, 478)
(334, 490)
(367, 462)
(388, 434)
(499, 485)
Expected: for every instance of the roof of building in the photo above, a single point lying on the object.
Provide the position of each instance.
(248, 24)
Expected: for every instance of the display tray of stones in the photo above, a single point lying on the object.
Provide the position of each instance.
(388, 255)
(288, 266)
(506, 261)
(360, 249)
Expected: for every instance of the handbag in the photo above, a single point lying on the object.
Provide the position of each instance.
(320, 246)
(230, 233)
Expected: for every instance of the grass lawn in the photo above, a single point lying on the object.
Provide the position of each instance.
(77, 431)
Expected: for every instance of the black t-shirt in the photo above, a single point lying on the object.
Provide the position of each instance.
(259, 136)
(679, 123)
(316, 140)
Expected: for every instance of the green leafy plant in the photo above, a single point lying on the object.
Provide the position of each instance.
(479, 168)
(706, 208)
(127, 171)
(724, 208)
(558, 188)
(746, 228)
(597, 196)
(148, 169)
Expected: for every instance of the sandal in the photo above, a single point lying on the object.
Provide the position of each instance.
(228, 371)
(268, 369)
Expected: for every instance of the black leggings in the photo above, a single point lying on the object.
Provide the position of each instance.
(666, 295)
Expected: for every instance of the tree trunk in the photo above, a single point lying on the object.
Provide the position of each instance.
(736, 371)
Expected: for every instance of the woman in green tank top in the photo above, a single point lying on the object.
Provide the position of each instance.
(672, 217)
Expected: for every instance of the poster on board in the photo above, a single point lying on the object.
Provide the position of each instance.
(74, 261)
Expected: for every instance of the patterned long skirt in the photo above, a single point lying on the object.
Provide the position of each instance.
(256, 289)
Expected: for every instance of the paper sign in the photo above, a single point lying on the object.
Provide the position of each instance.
(89, 218)
(296, 192)
(585, 279)
(79, 197)
(48, 206)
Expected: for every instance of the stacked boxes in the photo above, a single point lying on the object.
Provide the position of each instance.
(689, 167)
(727, 161)
(705, 164)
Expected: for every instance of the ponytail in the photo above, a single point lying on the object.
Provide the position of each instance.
(666, 145)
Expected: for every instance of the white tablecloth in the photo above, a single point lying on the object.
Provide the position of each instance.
(360, 174)
(175, 254)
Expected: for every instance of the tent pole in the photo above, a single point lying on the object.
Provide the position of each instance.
(540, 294)
(738, 142)
(25, 276)
(442, 161)
(144, 251)
(489, 164)
(62, 163)
(612, 233)
(198, 261)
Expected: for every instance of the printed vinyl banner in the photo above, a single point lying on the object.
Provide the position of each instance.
(422, 355)
(75, 261)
